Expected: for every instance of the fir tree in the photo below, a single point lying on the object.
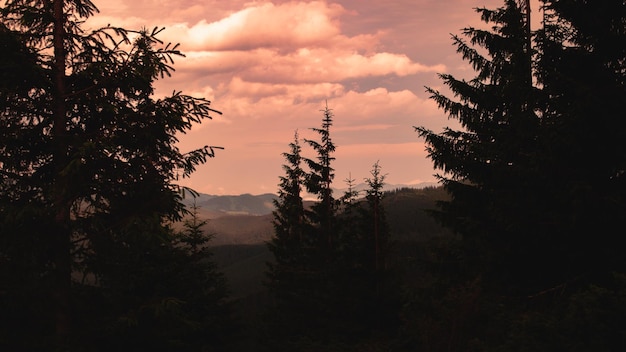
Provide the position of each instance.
(84, 144)
(379, 228)
(319, 182)
(289, 242)
(289, 219)
(532, 203)
(490, 165)
(303, 276)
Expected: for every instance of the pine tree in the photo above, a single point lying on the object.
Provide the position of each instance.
(304, 275)
(380, 230)
(319, 182)
(490, 166)
(533, 203)
(84, 143)
(581, 65)
(289, 243)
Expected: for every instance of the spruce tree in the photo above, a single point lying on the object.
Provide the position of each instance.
(289, 219)
(535, 188)
(304, 275)
(323, 233)
(319, 182)
(89, 165)
(490, 166)
(379, 227)
(289, 243)
(349, 222)
(581, 65)
(367, 297)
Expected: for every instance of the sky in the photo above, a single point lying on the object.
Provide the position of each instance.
(271, 67)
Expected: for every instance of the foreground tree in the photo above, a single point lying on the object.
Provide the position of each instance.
(489, 165)
(582, 72)
(533, 205)
(89, 161)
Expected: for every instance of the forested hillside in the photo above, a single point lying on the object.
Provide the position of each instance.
(237, 240)
(247, 219)
(244, 204)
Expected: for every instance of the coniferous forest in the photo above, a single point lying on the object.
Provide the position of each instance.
(526, 253)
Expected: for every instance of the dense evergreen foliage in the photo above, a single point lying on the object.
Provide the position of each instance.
(536, 179)
(88, 170)
(329, 279)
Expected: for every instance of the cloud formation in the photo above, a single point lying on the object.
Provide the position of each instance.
(271, 66)
(264, 25)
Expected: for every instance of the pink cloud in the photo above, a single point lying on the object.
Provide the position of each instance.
(271, 66)
(303, 66)
(261, 25)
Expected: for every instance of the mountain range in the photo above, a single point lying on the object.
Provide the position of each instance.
(240, 226)
(247, 219)
(215, 206)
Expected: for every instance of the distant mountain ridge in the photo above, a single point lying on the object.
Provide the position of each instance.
(262, 204)
(244, 204)
(362, 187)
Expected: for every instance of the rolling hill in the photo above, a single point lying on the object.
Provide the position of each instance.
(241, 225)
(247, 219)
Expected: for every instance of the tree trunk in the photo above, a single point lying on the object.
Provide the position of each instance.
(61, 202)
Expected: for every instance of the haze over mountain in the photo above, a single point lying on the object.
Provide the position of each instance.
(240, 225)
(215, 206)
(247, 219)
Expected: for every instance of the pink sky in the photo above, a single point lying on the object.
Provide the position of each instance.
(270, 67)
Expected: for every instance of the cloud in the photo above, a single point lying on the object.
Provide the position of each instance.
(299, 43)
(270, 67)
(263, 25)
(381, 149)
(303, 66)
(298, 93)
(363, 127)
(295, 42)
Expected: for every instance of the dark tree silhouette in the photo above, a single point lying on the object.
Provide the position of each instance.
(288, 276)
(88, 172)
(319, 181)
(490, 166)
(328, 278)
(535, 188)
